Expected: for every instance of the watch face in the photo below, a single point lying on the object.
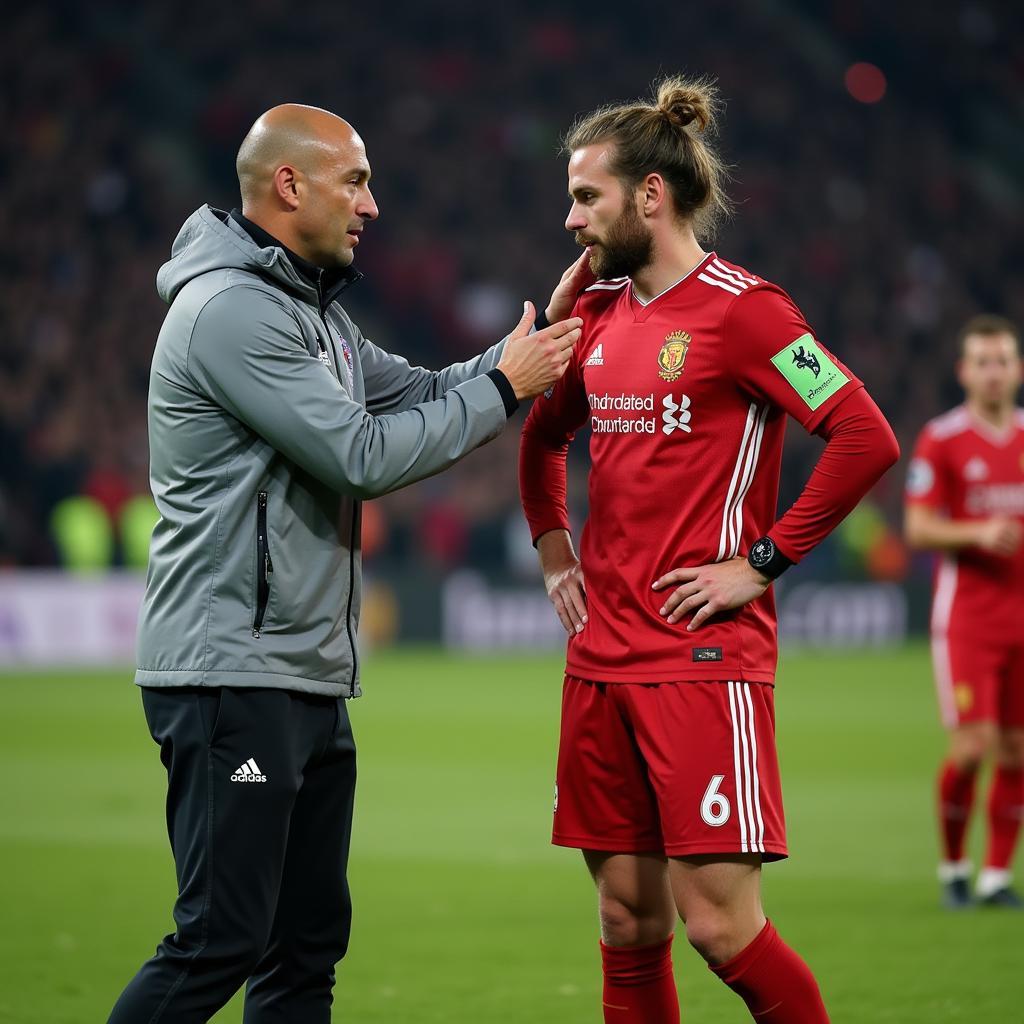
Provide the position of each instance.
(762, 551)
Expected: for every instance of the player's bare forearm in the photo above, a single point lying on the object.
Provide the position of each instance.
(563, 579)
(930, 530)
(709, 589)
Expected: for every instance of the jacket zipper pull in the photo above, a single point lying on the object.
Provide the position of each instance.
(321, 351)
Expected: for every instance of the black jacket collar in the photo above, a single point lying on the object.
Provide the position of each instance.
(329, 284)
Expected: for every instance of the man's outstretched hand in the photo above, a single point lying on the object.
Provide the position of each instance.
(533, 362)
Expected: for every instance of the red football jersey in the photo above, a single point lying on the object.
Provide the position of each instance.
(968, 470)
(686, 399)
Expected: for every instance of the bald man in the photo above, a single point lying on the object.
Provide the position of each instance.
(270, 418)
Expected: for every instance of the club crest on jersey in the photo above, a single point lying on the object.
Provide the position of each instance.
(346, 351)
(673, 355)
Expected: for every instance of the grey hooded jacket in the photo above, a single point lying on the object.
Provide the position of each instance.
(270, 418)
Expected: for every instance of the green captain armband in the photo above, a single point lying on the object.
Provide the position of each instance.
(810, 371)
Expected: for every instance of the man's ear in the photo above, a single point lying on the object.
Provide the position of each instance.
(287, 186)
(654, 194)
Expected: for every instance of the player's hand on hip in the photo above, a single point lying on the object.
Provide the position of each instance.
(709, 589)
(568, 593)
(533, 362)
(1000, 535)
(577, 276)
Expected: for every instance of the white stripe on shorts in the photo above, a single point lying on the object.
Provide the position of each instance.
(737, 772)
(748, 782)
(757, 779)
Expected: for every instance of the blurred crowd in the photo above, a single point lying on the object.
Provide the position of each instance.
(889, 222)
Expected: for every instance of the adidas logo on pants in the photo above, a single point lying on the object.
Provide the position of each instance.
(249, 772)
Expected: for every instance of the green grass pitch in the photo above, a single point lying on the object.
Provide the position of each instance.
(463, 912)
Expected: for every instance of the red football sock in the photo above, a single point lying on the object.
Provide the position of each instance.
(956, 798)
(1005, 807)
(774, 982)
(638, 984)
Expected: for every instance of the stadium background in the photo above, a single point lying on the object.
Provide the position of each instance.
(878, 152)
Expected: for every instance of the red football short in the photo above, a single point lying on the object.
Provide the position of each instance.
(978, 680)
(680, 768)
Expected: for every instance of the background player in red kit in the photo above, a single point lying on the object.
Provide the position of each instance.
(965, 498)
(667, 774)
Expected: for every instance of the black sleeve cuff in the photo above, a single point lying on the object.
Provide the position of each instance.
(508, 395)
(540, 321)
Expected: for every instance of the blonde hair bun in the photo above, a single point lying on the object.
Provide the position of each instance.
(687, 102)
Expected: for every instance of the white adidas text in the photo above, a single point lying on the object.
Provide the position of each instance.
(248, 771)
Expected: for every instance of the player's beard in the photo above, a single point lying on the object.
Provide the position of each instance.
(626, 249)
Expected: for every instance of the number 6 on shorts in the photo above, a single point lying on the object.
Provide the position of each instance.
(715, 807)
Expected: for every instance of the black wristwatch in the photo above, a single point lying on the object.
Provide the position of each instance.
(767, 559)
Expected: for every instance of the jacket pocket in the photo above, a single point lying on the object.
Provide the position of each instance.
(264, 565)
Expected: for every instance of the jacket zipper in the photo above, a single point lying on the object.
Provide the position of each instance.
(356, 511)
(264, 564)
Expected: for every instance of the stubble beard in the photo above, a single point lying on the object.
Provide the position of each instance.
(627, 248)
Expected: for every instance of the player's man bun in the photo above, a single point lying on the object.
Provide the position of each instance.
(685, 103)
(669, 137)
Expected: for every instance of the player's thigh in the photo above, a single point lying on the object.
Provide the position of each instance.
(1010, 748)
(729, 883)
(710, 752)
(719, 899)
(603, 799)
(971, 742)
(637, 880)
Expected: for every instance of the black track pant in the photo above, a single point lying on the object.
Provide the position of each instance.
(259, 812)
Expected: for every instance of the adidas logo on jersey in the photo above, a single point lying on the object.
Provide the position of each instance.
(248, 771)
(596, 357)
(676, 415)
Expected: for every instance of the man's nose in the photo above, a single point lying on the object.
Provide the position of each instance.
(367, 208)
(575, 221)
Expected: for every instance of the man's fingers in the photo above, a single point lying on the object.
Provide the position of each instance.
(522, 329)
(687, 606)
(701, 617)
(678, 595)
(563, 615)
(676, 576)
(565, 342)
(580, 271)
(577, 600)
(563, 327)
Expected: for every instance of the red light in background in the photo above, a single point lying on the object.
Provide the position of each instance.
(865, 82)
